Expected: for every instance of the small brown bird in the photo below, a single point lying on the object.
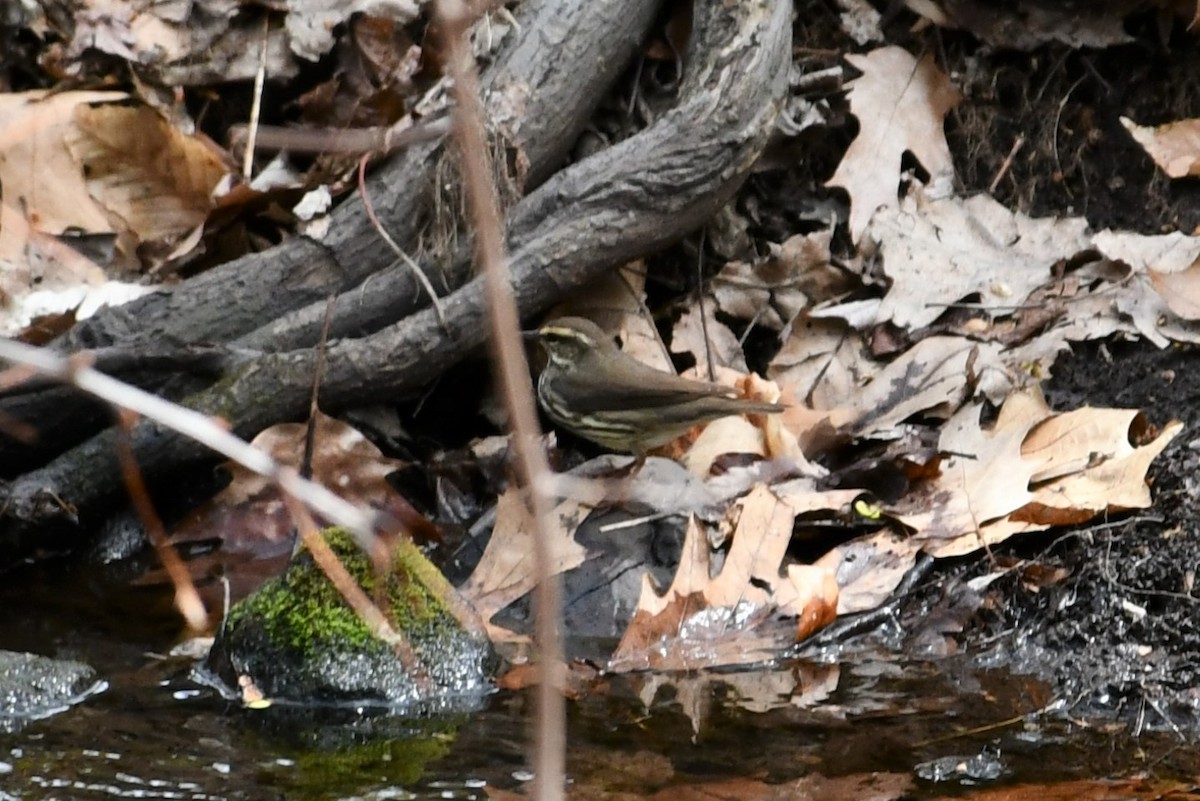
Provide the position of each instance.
(596, 391)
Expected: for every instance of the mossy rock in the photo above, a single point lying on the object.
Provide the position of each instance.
(296, 638)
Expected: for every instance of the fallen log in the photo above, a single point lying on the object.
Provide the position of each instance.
(629, 200)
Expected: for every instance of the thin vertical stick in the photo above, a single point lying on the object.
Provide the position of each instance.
(550, 725)
(260, 79)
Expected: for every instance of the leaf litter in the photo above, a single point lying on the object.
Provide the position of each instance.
(953, 305)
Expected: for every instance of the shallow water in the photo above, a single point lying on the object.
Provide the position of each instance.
(868, 723)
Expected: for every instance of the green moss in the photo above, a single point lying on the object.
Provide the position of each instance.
(303, 611)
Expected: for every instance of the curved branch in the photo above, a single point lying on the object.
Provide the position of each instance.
(276, 300)
(634, 198)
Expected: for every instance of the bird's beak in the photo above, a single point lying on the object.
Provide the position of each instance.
(531, 336)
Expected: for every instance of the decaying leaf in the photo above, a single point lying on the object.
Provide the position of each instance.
(249, 514)
(704, 620)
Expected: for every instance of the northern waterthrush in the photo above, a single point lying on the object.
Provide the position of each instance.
(595, 390)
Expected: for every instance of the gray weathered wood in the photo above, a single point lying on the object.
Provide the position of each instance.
(631, 199)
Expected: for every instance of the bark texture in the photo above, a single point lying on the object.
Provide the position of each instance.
(624, 202)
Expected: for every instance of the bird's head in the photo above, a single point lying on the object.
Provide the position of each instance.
(568, 340)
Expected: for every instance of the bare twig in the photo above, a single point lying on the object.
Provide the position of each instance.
(342, 140)
(260, 78)
(549, 747)
(1007, 165)
(187, 600)
(197, 426)
(415, 268)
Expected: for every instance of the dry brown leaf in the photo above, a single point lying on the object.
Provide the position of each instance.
(1174, 147)
(984, 477)
(939, 251)
(869, 568)
(1073, 467)
(704, 337)
(988, 535)
(1109, 474)
(157, 181)
(933, 378)
(810, 594)
(702, 621)
(310, 23)
(249, 513)
(1180, 291)
(774, 290)
(44, 194)
(900, 104)
(1171, 264)
(182, 44)
(1166, 253)
(41, 178)
(825, 362)
(751, 571)
(1159, 300)
(507, 571)
(721, 437)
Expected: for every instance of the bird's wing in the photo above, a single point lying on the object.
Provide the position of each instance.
(650, 389)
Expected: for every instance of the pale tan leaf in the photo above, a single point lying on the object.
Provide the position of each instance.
(939, 251)
(701, 338)
(934, 377)
(1180, 291)
(773, 290)
(987, 535)
(721, 437)
(869, 568)
(1174, 147)
(983, 477)
(44, 195)
(900, 104)
(810, 594)
(824, 361)
(1070, 442)
(751, 570)
(41, 179)
(1113, 480)
(508, 570)
(1166, 253)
